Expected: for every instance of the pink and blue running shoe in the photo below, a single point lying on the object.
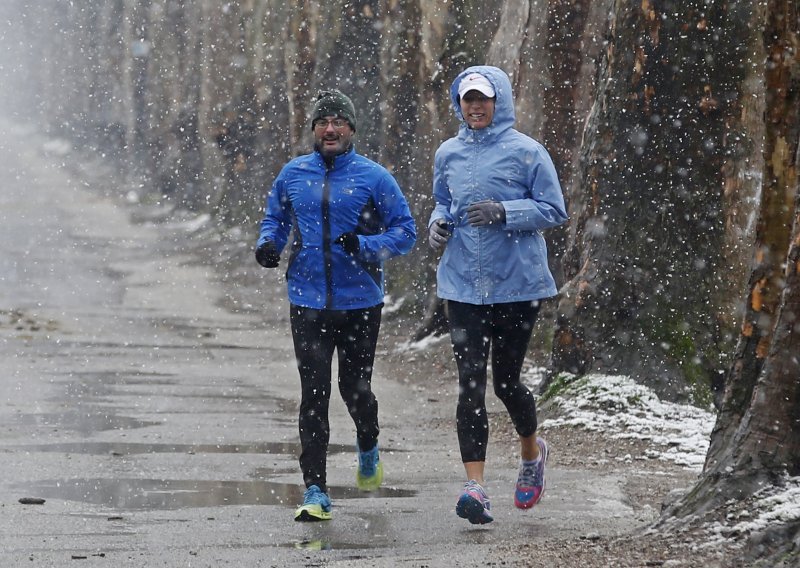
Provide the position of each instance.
(473, 504)
(530, 483)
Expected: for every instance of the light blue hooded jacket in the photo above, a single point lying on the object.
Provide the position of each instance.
(506, 262)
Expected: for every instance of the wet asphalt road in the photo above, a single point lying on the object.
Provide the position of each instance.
(160, 428)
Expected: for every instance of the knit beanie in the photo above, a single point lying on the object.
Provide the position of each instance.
(334, 103)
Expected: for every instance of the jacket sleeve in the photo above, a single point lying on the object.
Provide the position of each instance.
(545, 208)
(441, 193)
(277, 221)
(400, 232)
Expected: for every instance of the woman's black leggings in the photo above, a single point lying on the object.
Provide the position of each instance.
(354, 335)
(506, 328)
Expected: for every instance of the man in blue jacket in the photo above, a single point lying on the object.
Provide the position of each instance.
(346, 215)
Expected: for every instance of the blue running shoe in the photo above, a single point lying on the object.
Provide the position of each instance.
(370, 470)
(473, 504)
(316, 506)
(530, 483)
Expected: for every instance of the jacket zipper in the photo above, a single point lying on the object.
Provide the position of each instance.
(479, 234)
(326, 239)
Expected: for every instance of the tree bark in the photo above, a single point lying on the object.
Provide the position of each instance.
(773, 275)
(756, 440)
(647, 229)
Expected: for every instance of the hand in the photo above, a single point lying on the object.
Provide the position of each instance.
(267, 256)
(485, 213)
(349, 242)
(438, 235)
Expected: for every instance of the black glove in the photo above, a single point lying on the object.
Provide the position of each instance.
(438, 234)
(267, 256)
(485, 213)
(349, 242)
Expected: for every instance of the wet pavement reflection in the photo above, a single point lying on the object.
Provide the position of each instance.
(169, 494)
(87, 422)
(133, 448)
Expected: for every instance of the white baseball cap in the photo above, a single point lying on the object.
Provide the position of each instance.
(475, 82)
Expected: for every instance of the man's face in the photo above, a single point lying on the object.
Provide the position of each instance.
(477, 109)
(332, 135)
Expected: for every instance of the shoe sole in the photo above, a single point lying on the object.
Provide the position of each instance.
(306, 516)
(528, 503)
(370, 483)
(473, 510)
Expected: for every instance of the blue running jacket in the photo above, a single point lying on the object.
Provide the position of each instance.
(316, 204)
(497, 263)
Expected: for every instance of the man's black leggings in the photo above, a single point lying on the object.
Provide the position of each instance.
(506, 328)
(354, 335)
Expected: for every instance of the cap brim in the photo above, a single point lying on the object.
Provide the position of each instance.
(483, 89)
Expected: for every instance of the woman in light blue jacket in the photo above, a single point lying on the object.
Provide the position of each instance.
(495, 189)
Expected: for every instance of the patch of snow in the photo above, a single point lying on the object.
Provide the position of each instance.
(532, 377)
(390, 306)
(773, 505)
(422, 344)
(619, 407)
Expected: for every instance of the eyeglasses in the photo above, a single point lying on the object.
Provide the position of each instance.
(322, 123)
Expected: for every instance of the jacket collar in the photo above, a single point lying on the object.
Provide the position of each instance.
(339, 161)
(481, 136)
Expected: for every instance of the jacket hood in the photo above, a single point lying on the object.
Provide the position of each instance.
(504, 115)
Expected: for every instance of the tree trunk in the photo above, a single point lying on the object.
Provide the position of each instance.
(300, 60)
(756, 441)
(647, 224)
(766, 283)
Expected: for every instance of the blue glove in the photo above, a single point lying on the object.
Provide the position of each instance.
(349, 242)
(485, 213)
(267, 256)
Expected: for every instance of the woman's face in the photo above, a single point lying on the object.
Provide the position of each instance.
(477, 109)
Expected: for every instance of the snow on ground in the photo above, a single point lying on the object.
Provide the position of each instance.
(773, 508)
(770, 508)
(621, 408)
(423, 344)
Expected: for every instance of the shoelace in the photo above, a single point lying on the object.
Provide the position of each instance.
(471, 485)
(530, 476)
(311, 497)
(368, 463)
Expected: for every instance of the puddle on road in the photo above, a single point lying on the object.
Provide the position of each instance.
(134, 448)
(168, 494)
(160, 494)
(82, 422)
(317, 544)
(91, 391)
